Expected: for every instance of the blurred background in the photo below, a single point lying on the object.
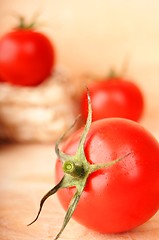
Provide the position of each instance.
(93, 36)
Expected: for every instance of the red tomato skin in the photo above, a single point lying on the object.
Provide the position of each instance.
(1, 80)
(114, 98)
(27, 57)
(126, 195)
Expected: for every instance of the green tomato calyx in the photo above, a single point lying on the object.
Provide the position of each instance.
(76, 170)
(24, 25)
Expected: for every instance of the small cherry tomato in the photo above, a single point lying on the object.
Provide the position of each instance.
(107, 175)
(125, 195)
(27, 57)
(114, 97)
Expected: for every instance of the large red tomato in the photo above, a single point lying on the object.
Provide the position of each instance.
(27, 57)
(123, 196)
(114, 97)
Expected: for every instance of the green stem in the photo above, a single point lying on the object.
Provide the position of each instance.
(24, 25)
(73, 169)
(21, 23)
(112, 74)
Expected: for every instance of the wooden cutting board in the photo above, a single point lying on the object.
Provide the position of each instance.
(26, 174)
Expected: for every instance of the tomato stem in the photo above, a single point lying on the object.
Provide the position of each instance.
(23, 25)
(73, 169)
(112, 74)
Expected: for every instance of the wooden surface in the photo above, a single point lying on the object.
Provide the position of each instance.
(26, 174)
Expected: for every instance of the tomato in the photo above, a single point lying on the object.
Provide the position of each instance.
(114, 97)
(107, 175)
(27, 57)
(121, 197)
(1, 79)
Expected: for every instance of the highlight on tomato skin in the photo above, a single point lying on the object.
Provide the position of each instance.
(124, 196)
(115, 97)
